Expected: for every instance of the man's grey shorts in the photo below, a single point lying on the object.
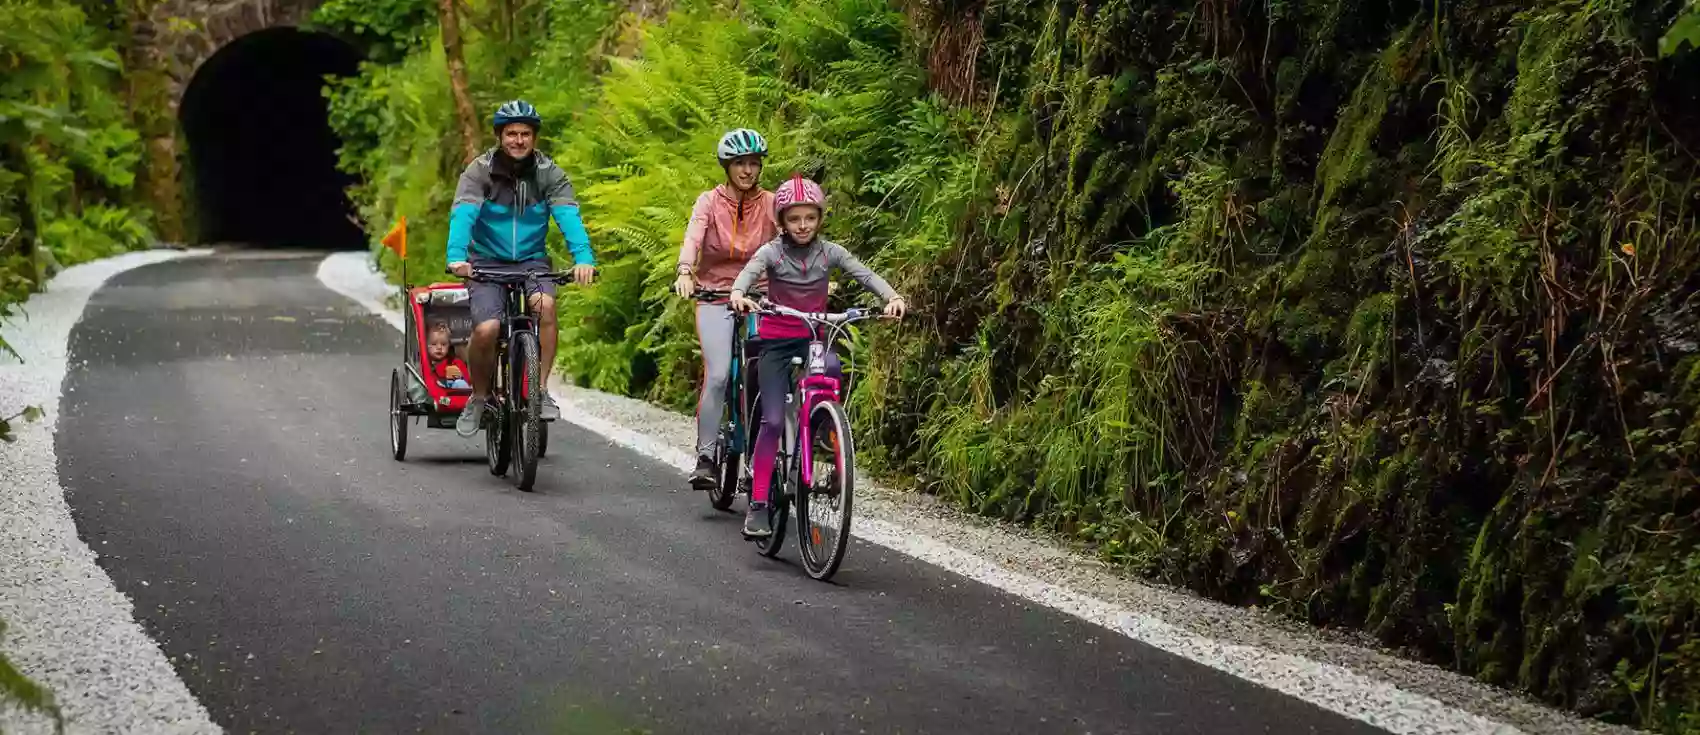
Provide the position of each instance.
(487, 297)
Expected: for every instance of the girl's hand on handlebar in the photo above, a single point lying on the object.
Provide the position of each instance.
(584, 275)
(685, 285)
(743, 305)
(462, 269)
(896, 307)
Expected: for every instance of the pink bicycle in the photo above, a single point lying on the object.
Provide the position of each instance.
(816, 464)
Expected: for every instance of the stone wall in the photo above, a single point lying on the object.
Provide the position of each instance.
(172, 39)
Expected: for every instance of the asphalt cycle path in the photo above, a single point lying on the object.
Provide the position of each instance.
(224, 448)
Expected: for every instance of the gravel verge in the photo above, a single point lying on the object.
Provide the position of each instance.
(1342, 671)
(68, 628)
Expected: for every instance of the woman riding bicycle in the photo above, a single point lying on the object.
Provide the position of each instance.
(727, 224)
(797, 264)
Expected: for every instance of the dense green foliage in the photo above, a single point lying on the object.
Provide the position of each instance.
(384, 30)
(1380, 314)
(68, 151)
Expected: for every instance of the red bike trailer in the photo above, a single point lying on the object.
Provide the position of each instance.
(415, 392)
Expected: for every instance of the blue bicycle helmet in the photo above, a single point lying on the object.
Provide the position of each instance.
(516, 111)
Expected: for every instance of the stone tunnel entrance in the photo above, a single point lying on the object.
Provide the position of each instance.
(261, 148)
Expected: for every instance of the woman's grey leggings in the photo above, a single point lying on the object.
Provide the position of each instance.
(714, 334)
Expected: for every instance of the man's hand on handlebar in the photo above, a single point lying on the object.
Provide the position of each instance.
(895, 308)
(462, 269)
(584, 275)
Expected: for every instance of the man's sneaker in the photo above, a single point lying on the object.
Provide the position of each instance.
(755, 522)
(550, 410)
(467, 424)
(707, 474)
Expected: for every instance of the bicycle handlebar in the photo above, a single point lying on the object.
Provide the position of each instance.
(843, 317)
(485, 276)
(703, 294)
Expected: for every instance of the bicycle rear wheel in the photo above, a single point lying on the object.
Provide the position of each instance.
(778, 510)
(729, 457)
(824, 508)
(498, 439)
(526, 415)
(731, 465)
(778, 505)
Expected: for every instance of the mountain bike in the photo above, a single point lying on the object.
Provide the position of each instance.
(736, 428)
(513, 417)
(816, 464)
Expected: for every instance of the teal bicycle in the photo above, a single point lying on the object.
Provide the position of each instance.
(737, 430)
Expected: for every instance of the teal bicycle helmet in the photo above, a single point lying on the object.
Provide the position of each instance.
(516, 111)
(740, 142)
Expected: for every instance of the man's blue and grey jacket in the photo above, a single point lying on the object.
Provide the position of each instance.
(501, 211)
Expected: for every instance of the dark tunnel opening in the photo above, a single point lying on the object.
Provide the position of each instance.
(261, 146)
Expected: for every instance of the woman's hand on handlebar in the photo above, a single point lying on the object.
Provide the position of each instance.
(462, 269)
(685, 285)
(896, 307)
(743, 304)
(584, 275)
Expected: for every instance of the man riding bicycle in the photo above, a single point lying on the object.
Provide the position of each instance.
(498, 224)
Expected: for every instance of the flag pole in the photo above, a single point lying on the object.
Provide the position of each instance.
(403, 254)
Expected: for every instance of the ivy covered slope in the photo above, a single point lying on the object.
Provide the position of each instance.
(1380, 314)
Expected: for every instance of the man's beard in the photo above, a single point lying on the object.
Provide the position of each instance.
(515, 166)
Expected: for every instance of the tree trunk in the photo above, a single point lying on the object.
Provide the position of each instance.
(457, 79)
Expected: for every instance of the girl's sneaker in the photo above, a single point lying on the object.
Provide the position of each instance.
(755, 522)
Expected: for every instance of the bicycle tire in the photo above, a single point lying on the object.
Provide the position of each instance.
(720, 497)
(731, 462)
(778, 504)
(498, 440)
(821, 557)
(398, 418)
(527, 414)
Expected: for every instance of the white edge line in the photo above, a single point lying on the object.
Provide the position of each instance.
(1327, 686)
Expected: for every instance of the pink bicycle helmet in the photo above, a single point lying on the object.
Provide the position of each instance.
(795, 192)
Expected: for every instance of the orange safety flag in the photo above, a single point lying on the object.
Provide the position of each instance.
(397, 239)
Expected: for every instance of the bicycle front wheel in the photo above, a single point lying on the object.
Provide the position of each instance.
(527, 413)
(824, 507)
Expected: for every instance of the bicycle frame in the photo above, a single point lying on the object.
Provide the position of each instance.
(814, 385)
(743, 330)
(515, 320)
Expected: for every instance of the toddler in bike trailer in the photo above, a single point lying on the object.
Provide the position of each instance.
(449, 369)
(797, 265)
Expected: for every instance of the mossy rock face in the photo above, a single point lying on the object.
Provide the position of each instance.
(1379, 314)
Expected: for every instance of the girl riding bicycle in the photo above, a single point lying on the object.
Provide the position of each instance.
(797, 264)
(727, 224)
